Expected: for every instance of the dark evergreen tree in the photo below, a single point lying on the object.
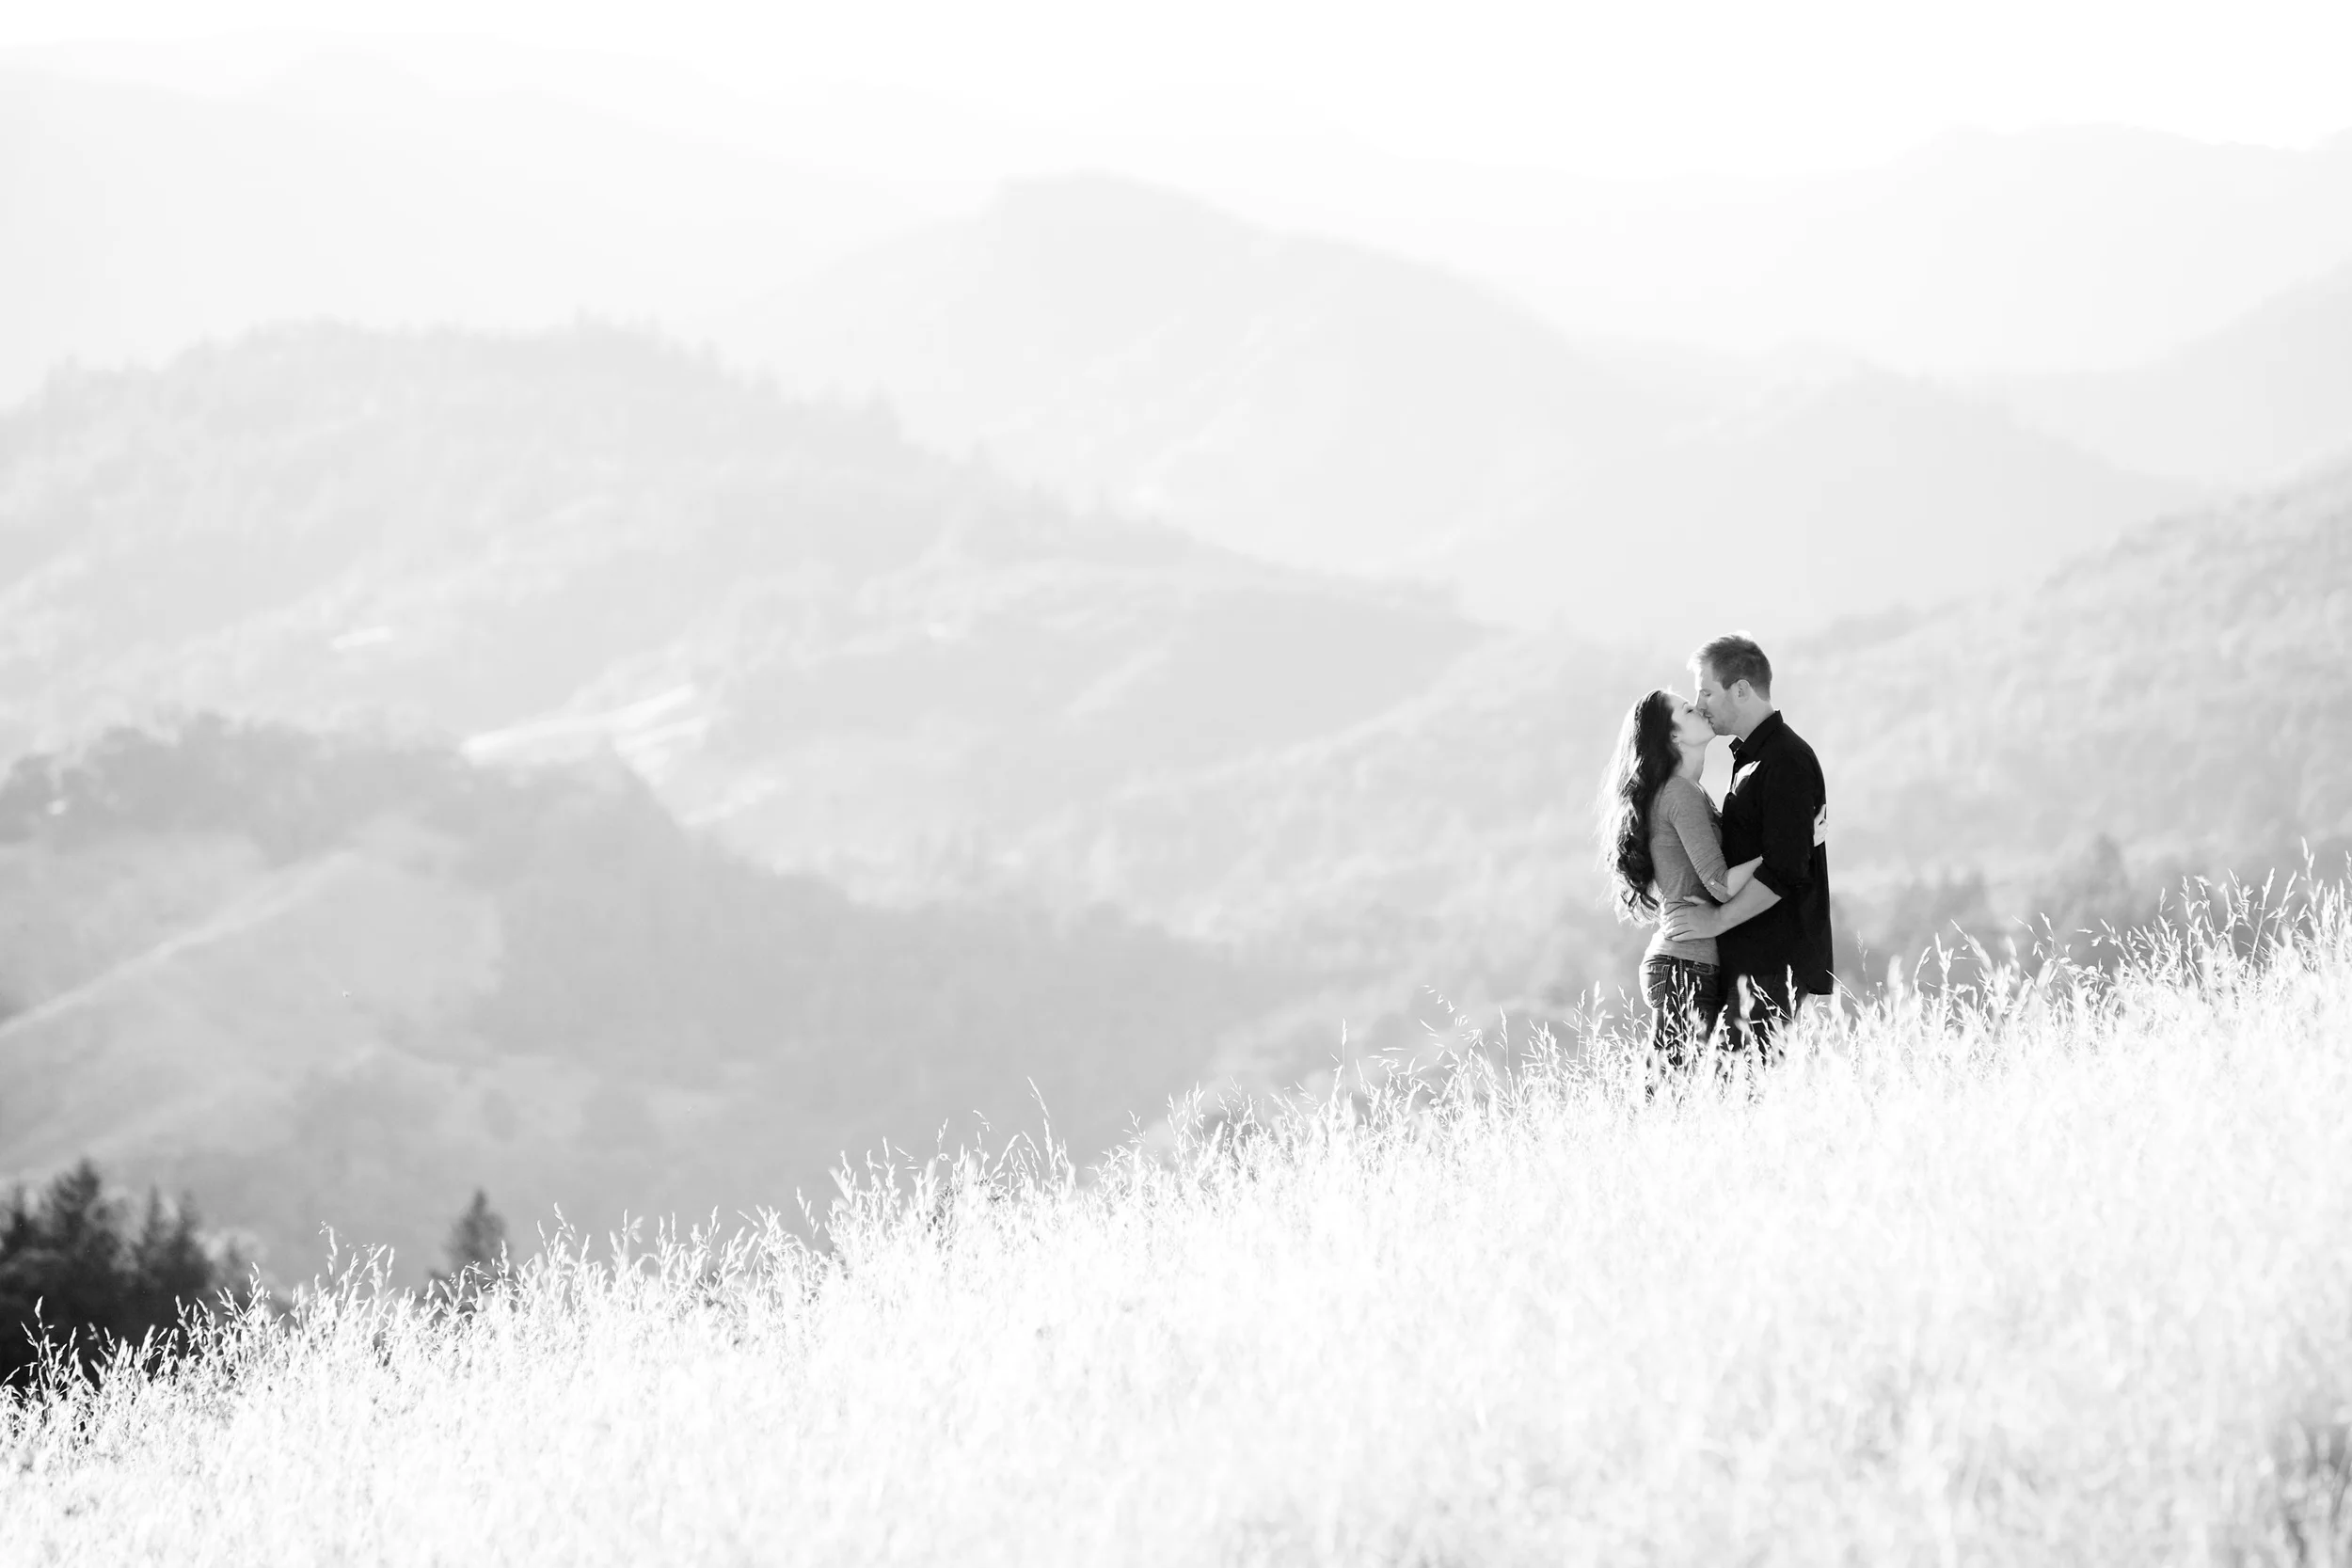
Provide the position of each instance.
(476, 1254)
(73, 1272)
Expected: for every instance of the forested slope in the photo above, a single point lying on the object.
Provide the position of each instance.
(848, 652)
(333, 981)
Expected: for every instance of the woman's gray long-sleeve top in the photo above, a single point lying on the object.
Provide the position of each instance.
(1685, 847)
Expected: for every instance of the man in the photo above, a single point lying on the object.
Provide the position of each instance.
(1773, 937)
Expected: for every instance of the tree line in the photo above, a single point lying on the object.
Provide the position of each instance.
(85, 1271)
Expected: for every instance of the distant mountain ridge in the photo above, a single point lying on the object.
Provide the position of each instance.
(1818, 499)
(2054, 250)
(2058, 249)
(142, 221)
(1303, 400)
(1340, 409)
(2253, 404)
(2160, 691)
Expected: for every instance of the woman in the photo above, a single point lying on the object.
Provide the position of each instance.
(1662, 844)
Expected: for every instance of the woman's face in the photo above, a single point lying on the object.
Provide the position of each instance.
(1692, 730)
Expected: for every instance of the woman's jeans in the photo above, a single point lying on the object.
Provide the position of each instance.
(1684, 999)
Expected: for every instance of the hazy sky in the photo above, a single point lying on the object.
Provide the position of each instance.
(1614, 89)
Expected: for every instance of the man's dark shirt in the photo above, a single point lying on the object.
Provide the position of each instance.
(1776, 797)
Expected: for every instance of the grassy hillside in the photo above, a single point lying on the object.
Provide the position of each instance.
(336, 982)
(2008, 1280)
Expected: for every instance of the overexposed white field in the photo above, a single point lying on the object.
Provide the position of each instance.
(2062, 1273)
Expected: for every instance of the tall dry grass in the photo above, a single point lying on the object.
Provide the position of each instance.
(2058, 1269)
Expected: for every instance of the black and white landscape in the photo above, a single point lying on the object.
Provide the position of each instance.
(818, 785)
(544, 652)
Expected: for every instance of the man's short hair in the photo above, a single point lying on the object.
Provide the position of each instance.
(1736, 658)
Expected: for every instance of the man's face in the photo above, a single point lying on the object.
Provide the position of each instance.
(1714, 702)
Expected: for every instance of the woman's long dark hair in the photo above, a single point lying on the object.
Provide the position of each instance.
(1646, 757)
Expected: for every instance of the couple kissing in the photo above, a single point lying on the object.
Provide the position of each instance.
(1739, 895)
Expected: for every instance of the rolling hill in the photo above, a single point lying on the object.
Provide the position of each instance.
(1334, 407)
(2170, 692)
(1298, 398)
(851, 655)
(2070, 743)
(840, 654)
(1854, 492)
(2250, 404)
(1442, 844)
(335, 981)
